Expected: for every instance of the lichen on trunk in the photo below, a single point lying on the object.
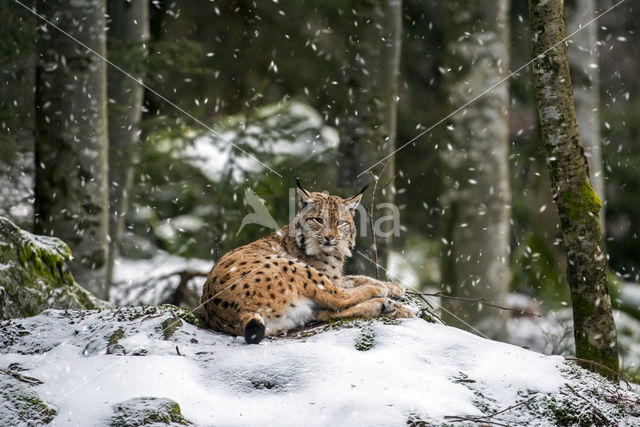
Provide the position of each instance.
(578, 205)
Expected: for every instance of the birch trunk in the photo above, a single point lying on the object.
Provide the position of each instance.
(127, 43)
(477, 196)
(71, 135)
(368, 126)
(578, 205)
(583, 62)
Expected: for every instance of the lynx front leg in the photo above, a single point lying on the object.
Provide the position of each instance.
(394, 288)
(371, 308)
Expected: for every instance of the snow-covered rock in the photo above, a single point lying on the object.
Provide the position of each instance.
(91, 367)
(34, 274)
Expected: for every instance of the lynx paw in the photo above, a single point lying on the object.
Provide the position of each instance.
(395, 309)
(395, 289)
(403, 312)
(388, 307)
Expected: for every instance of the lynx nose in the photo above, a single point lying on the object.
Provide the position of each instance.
(329, 240)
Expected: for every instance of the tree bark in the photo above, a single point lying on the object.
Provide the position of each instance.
(127, 44)
(476, 197)
(578, 205)
(71, 135)
(368, 126)
(583, 62)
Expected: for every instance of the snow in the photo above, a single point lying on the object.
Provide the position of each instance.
(413, 368)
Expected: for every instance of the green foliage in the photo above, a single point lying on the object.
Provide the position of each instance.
(184, 206)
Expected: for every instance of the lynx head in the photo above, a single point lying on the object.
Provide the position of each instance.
(324, 223)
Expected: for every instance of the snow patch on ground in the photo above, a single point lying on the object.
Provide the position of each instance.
(414, 369)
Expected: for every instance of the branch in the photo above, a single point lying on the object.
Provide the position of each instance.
(478, 300)
(486, 418)
(596, 411)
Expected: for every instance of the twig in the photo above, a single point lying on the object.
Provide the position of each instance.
(23, 378)
(370, 213)
(461, 419)
(430, 312)
(486, 418)
(601, 366)
(596, 411)
(373, 238)
(478, 300)
(216, 247)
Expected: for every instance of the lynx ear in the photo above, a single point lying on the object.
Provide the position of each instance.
(353, 202)
(304, 197)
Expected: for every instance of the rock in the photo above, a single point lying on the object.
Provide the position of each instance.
(34, 275)
(141, 411)
(19, 404)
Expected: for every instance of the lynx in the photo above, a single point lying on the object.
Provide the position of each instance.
(294, 275)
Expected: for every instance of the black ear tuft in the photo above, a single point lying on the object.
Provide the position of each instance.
(300, 186)
(363, 189)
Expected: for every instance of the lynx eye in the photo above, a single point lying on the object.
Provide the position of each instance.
(340, 223)
(317, 220)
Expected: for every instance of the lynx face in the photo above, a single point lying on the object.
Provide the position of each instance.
(324, 223)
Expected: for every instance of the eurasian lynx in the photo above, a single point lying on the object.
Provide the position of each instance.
(293, 276)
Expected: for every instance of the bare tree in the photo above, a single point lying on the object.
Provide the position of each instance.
(578, 205)
(368, 126)
(127, 44)
(476, 192)
(71, 135)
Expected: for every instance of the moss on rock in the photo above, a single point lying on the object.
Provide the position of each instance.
(34, 275)
(20, 404)
(142, 411)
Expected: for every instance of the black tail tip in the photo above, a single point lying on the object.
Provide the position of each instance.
(254, 332)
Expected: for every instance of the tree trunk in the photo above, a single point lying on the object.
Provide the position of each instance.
(583, 55)
(476, 197)
(368, 126)
(71, 135)
(127, 44)
(578, 205)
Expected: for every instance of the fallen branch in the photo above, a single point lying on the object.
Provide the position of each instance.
(478, 300)
(487, 418)
(23, 378)
(431, 307)
(596, 411)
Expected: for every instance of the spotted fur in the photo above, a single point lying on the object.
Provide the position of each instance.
(294, 276)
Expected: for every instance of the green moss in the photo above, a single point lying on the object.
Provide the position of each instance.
(590, 198)
(19, 402)
(36, 274)
(170, 326)
(366, 341)
(586, 201)
(142, 411)
(116, 336)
